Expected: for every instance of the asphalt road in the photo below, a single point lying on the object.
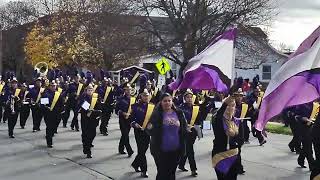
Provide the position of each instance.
(27, 158)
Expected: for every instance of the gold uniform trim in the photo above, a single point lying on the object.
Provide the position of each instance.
(223, 155)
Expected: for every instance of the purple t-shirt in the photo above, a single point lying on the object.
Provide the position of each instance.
(170, 132)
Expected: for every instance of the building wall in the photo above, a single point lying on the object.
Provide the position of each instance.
(1, 51)
(251, 73)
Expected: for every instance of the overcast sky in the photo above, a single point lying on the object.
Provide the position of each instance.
(296, 20)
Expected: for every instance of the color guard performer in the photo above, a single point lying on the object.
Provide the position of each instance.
(224, 154)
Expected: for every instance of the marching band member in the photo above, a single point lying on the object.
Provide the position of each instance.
(303, 116)
(106, 92)
(90, 111)
(53, 107)
(192, 115)
(35, 95)
(123, 109)
(13, 105)
(25, 106)
(241, 112)
(73, 93)
(140, 116)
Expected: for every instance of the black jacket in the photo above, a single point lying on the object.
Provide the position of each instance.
(156, 120)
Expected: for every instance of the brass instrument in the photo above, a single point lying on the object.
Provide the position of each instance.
(42, 68)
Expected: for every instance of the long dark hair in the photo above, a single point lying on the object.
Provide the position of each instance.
(164, 95)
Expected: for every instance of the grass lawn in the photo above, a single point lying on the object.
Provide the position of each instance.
(278, 128)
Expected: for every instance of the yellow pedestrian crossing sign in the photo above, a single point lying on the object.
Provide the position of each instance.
(163, 66)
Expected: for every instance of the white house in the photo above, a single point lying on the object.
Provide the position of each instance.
(254, 56)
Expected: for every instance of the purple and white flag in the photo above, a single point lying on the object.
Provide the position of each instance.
(296, 82)
(202, 70)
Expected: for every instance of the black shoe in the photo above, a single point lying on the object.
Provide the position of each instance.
(130, 154)
(22, 127)
(77, 130)
(89, 156)
(241, 172)
(91, 145)
(183, 169)
(12, 136)
(301, 164)
(194, 173)
(136, 169)
(49, 146)
(291, 148)
(39, 129)
(144, 174)
(34, 130)
(122, 152)
(105, 134)
(64, 126)
(262, 142)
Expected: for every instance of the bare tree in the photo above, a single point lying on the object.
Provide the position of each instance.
(16, 13)
(192, 24)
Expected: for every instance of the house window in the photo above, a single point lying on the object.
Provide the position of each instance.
(266, 72)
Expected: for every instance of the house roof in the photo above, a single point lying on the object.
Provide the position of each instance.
(130, 67)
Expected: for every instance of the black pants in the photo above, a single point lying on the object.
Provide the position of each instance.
(231, 175)
(12, 121)
(1, 112)
(190, 140)
(246, 130)
(124, 140)
(142, 140)
(37, 114)
(88, 128)
(316, 145)
(306, 152)
(5, 115)
(296, 140)
(105, 117)
(166, 163)
(59, 117)
(50, 119)
(75, 121)
(24, 114)
(66, 115)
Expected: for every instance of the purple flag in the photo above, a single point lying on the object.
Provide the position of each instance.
(296, 82)
(202, 71)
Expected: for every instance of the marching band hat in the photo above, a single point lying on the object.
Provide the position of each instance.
(145, 92)
(188, 92)
(90, 86)
(239, 92)
(53, 83)
(127, 86)
(14, 79)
